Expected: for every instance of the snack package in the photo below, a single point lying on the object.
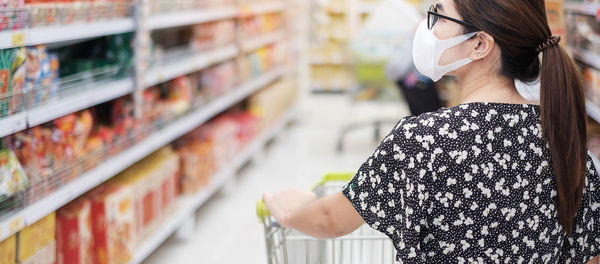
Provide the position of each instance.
(46, 255)
(7, 58)
(8, 250)
(12, 175)
(18, 71)
(113, 224)
(74, 233)
(37, 238)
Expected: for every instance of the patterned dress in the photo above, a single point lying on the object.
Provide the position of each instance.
(473, 184)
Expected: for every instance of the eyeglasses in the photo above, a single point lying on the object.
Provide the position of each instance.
(433, 16)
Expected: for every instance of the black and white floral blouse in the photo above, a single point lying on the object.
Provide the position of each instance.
(473, 184)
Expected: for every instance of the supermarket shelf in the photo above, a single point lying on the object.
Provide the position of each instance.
(176, 19)
(54, 34)
(583, 8)
(13, 123)
(261, 8)
(99, 94)
(367, 8)
(32, 213)
(328, 61)
(187, 205)
(182, 65)
(336, 8)
(593, 110)
(258, 42)
(587, 57)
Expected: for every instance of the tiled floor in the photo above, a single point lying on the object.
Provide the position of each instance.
(227, 230)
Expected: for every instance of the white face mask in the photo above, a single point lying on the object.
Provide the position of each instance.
(428, 49)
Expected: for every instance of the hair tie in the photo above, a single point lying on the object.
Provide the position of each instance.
(550, 42)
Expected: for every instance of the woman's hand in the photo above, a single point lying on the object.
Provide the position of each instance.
(283, 203)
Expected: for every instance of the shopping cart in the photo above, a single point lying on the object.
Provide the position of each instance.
(285, 246)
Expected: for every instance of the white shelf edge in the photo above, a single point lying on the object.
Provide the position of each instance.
(187, 205)
(317, 61)
(262, 8)
(176, 19)
(13, 123)
(258, 42)
(70, 104)
(593, 110)
(582, 8)
(60, 33)
(114, 165)
(587, 57)
(161, 73)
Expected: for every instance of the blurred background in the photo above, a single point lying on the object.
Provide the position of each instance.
(144, 131)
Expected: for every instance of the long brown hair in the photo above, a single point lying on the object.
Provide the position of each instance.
(519, 27)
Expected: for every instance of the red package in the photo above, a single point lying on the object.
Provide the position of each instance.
(113, 224)
(74, 233)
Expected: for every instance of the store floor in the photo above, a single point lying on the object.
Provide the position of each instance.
(227, 230)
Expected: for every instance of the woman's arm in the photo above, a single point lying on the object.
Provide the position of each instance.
(595, 260)
(327, 217)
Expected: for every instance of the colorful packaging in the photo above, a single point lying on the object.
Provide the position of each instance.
(8, 250)
(37, 238)
(12, 175)
(7, 58)
(74, 233)
(18, 71)
(113, 224)
(46, 255)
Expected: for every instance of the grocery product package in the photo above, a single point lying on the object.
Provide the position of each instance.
(153, 182)
(12, 175)
(36, 242)
(113, 224)
(8, 250)
(74, 233)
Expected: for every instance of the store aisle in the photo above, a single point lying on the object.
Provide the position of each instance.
(227, 229)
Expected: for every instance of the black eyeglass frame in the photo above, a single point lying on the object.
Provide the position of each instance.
(433, 12)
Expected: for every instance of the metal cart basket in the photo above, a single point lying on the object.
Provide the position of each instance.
(285, 246)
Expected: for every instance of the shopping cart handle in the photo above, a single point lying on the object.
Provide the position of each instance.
(263, 212)
(334, 177)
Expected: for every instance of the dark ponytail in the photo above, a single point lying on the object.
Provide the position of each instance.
(563, 115)
(520, 28)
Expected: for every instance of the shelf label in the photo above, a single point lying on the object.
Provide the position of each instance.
(16, 225)
(18, 39)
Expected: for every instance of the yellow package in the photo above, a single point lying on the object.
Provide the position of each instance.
(8, 250)
(36, 236)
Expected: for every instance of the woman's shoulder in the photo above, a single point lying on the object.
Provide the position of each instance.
(467, 123)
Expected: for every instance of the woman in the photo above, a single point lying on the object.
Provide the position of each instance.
(493, 180)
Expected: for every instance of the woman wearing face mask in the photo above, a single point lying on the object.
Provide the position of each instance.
(493, 180)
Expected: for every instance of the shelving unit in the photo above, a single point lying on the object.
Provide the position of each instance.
(30, 214)
(53, 34)
(587, 57)
(260, 41)
(101, 92)
(13, 124)
(583, 8)
(177, 19)
(593, 110)
(187, 205)
(261, 8)
(188, 63)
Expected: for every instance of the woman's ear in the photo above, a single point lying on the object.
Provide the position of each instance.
(484, 45)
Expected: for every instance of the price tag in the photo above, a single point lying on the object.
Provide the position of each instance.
(18, 39)
(16, 225)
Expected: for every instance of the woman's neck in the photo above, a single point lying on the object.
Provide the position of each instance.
(489, 88)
